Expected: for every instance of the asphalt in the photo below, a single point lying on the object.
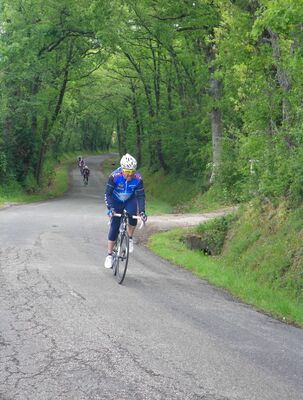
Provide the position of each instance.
(69, 331)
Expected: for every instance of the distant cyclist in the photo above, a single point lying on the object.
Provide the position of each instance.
(86, 172)
(81, 165)
(124, 190)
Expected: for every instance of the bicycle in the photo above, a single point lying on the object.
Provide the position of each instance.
(85, 180)
(121, 247)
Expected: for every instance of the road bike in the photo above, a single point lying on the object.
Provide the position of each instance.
(121, 247)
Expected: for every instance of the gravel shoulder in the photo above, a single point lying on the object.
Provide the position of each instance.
(165, 222)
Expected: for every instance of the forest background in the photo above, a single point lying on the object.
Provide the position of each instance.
(208, 90)
(207, 93)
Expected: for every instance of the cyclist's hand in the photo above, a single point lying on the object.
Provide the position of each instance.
(143, 216)
(110, 213)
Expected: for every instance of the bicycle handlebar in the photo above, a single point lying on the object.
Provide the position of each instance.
(131, 216)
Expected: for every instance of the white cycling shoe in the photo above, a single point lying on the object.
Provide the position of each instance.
(131, 245)
(108, 263)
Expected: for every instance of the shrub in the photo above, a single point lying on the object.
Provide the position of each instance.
(30, 184)
(214, 232)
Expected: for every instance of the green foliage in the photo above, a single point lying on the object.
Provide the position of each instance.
(267, 241)
(169, 188)
(3, 166)
(55, 185)
(47, 51)
(30, 184)
(140, 77)
(11, 189)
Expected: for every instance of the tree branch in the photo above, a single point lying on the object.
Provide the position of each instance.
(190, 28)
(169, 18)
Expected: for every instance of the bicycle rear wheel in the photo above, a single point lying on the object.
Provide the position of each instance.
(122, 258)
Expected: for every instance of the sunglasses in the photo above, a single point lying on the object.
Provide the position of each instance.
(128, 171)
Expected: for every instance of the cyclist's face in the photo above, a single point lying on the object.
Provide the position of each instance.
(128, 173)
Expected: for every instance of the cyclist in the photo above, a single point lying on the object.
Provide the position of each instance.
(86, 172)
(124, 190)
(81, 165)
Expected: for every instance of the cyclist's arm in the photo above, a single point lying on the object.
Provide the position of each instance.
(109, 191)
(140, 195)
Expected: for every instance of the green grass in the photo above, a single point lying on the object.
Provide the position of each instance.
(260, 266)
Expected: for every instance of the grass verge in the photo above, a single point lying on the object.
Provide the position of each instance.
(233, 271)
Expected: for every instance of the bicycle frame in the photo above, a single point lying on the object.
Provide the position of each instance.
(121, 248)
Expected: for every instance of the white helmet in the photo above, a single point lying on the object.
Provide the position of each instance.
(128, 162)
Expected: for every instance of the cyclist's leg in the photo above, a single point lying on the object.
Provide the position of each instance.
(112, 236)
(114, 226)
(131, 208)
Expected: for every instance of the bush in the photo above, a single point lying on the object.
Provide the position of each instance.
(3, 166)
(48, 173)
(11, 188)
(30, 184)
(214, 232)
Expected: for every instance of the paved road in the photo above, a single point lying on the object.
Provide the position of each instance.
(69, 331)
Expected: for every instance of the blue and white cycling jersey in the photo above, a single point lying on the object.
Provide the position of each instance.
(121, 190)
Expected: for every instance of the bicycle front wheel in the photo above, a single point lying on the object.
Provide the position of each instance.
(122, 257)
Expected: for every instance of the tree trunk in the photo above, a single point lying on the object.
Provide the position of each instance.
(282, 75)
(42, 150)
(147, 88)
(121, 134)
(49, 122)
(180, 86)
(216, 126)
(138, 124)
(157, 88)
